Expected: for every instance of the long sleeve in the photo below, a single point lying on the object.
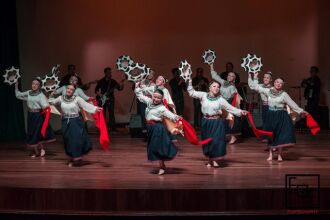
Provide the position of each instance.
(229, 108)
(22, 95)
(168, 97)
(81, 94)
(85, 105)
(292, 104)
(60, 90)
(217, 78)
(168, 114)
(141, 97)
(193, 93)
(260, 89)
(54, 101)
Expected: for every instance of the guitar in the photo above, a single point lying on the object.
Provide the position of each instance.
(104, 97)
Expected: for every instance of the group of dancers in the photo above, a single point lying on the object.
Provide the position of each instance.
(219, 106)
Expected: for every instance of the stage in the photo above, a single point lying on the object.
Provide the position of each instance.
(122, 181)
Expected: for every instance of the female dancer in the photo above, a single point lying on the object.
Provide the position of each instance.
(213, 125)
(280, 122)
(228, 91)
(37, 104)
(160, 147)
(267, 83)
(76, 140)
(78, 92)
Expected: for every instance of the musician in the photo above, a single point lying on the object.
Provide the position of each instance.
(200, 83)
(104, 90)
(71, 72)
(312, 87)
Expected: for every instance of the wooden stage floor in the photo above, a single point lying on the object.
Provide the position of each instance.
(245, 181)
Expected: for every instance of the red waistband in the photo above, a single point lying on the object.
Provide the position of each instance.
(152, 122)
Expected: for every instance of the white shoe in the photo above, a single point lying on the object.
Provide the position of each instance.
(161, 171)
(215, 164)
(42, 153)
(208, 164)
(279, 158)
(270, 158)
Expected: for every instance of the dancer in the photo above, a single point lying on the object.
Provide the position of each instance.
(37, 105)
(267, 83)
(76, 140)
(213, 124)
(160, 147)
(280, 122)
(229, 92)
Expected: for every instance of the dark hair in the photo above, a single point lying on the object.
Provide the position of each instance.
(106, 69)
(213, 82)
(74, 86)
(71, 65)
(230, 63)
(159, 91)
(37, 79)
(315, 68)
(175, 70)
(280, 78)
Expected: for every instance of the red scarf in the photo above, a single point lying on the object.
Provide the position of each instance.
(312, 124)
(46, 112)
(100, 124)
(233, 102)
(166, 103)
(256, 131)
(190, 134)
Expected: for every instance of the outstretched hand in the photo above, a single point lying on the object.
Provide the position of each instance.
(304, 114)
(255, 75)
(244, 112)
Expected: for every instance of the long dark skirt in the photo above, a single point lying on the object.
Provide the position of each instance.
(216, 129)
(237, 127)
(34, 125)
(282, 127)
(160, 146)
(76, 140)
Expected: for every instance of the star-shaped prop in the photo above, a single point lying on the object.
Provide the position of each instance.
(185, 70)
(209, 56)
(12, 75)
(123, 62)
(251, 63)
(137, 72)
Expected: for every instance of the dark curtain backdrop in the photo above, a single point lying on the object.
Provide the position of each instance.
(11, 110)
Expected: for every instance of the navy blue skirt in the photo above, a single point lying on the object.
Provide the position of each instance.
(216, 129)
(160, 146)
(281, 125)
(76, 140)
(34, 125)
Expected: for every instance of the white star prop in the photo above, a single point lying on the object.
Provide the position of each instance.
(251, 63)
(209, 56)
(50, 83)
(123, 62)
(185, 70)
(12, 75)
(137, 72)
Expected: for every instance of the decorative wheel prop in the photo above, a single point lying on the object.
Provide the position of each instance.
(137, 72)
(123, 62)
(56, 69)
(12, 75)
(50, 83)
(251, 63)
(209, 56)
(185, 70)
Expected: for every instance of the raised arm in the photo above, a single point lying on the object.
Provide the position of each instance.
(139, 94)
(215, 75)
(253, 82)
(229, 108)
(292, 104)
(21, 95)
(60, 90)
(193, 93)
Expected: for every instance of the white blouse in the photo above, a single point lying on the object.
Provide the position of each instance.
(73, 105)
(276, 100)
(212, 105)
(151, 89)
(78, 92)
(227, 90)
(154, 112)
(254, 82)
(35, 100)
